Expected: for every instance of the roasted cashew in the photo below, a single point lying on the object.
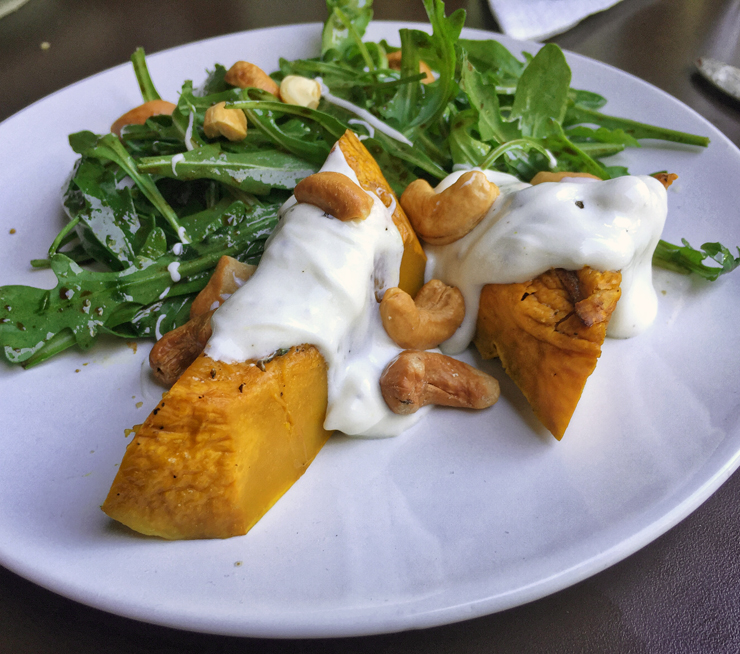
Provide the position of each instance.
(545, 176)
(228, 276)
(414, 379)
(394, 62)
(176, 350)
(425, 321)
(441, 218)
(335, 194)
(220, 121)
(301, 91)
(244, 75)
(139, 115)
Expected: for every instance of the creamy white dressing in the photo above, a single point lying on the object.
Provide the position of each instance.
(157, 330)
(370, 129)
(530, 229)
(176, 159)
(174, 270)
(189, 133)
(362, 113)
(316, 283)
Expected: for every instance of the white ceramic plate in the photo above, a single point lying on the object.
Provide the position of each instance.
(464, 515)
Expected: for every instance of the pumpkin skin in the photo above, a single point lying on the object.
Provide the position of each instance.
(227, 441)
(371, 179)
(548, 333)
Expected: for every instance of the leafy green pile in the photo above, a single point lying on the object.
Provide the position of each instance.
(156, 208)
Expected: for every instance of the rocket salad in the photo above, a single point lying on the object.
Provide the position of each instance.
(156, 208)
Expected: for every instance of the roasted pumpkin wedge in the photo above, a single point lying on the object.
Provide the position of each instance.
(222, 447)
(227, 441)
(548, 333)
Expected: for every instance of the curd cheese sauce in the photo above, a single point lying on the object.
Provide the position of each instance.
(607, 225)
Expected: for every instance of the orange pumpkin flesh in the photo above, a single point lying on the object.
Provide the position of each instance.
(222, 447)
(548, 334)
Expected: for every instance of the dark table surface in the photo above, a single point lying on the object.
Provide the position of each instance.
(678, 594)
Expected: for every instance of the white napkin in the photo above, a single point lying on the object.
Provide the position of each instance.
(541, 19)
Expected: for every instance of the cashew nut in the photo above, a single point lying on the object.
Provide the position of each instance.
(427, 320)
(228, 276)
(301, 91)
(394, 62)
(176, 350)
(414, 379)
(219, 121)
(441, 218)
(139, 115)
(244, 75)
(335, 194)
(545, 176)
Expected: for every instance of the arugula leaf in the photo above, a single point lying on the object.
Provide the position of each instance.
(439, 52)
(580, 114)
(570, 156)
(685, 259)
(254, 172)
(303, 143)
(402, 107)
(346, 24)
(104, 216)
(542, 93)
(110, 148)
(396, 172)
(464, 147)
(154, 320)
(215, 82)
(158, 135)
(36, 323)
(600, 150)
(602, 135)
(493, 57)
(587, 99)
(483, 98)
(517, 144)
(333, 126)
(413, 155)
(148, 91)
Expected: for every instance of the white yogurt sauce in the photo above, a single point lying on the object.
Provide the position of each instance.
(316, 283)
(362, 113)
(189, 133)
(530, 229)
(174, 270)
(176, 159)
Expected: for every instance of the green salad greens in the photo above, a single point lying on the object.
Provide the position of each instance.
(150, 213)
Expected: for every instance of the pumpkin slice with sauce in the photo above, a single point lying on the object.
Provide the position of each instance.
(228, 440)
(548, 333)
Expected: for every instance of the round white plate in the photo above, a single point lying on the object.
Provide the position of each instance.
(464, 515)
